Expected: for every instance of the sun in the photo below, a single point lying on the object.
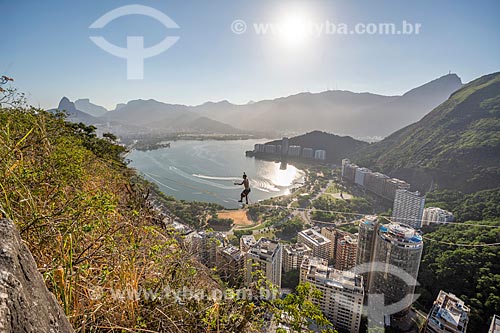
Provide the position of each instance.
(294, 27)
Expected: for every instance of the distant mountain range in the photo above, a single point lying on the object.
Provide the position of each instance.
(455, 146)
(360, 115)
(92, 109)
(144, 118)
(336, 111)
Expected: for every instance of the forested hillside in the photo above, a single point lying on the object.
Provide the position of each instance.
(456, 146)
(470, 272)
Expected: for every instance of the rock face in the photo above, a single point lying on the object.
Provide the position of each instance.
(26, 305)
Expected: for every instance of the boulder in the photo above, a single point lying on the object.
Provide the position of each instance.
(26, 305)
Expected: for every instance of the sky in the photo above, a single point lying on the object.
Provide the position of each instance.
(310, 45)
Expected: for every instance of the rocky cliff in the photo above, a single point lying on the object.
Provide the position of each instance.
(26, 305)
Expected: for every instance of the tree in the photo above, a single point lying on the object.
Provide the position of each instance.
(299, 312)
(10, 96)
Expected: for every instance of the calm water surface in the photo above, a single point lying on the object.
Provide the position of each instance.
(206, 171)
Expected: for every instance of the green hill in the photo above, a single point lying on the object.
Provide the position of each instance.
(456, 146)
(336, 147)
(471, 273)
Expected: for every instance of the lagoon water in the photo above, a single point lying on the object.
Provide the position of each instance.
(206, 171)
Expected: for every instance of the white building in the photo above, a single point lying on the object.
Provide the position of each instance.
(345, 162)
(307, 153)
(359, 178)
(341, 293)
(436, 215)
(320, 245)
(408, 208)
(294, 151)
(320, 155)
(270, 149)
(265, 255)
(448, 315)
(259, 148)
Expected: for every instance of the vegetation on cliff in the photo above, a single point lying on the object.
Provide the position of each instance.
(100, 245)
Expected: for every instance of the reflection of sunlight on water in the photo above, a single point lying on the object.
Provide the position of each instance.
(280, 177)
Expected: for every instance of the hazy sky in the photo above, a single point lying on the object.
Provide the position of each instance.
(46, 48)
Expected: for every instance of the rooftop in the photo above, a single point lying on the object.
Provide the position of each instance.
(369, 220)
(314, 237)
(265, 248)
(295, 248)
(449, 310)
(318, 271)
(401, 234)
(233, 252)
(248, 240)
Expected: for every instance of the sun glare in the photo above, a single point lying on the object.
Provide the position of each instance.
(294, 23)
(293, 29)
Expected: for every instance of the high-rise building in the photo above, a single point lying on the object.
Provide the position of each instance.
(284, 146)
(331, 233)
(265, 255)
(408, 208)
(320, 155)
(345, 162)
(345, 252)
(392, 185)
(341, 293)
(293, 254)
(259, 148)
(375, 183)
(359, 176)
(366, 244)
(307, 153)
(246, 242)
(448, 315)
(320, 245)
(436, 215)
(397, 247)
(205, 246)
(294, 151)
(348, 170)
(230, 265)
(495, 324)
(270, 149)
(343, 247)
(378, 183)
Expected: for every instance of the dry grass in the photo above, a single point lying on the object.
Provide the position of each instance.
(240, 216)
(92, 232)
